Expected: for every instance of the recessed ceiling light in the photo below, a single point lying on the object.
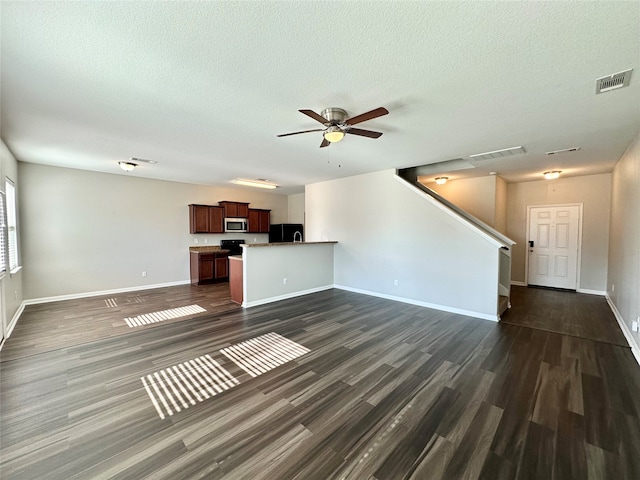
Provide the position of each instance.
(441, 180)
(552, 175)
(254, 183)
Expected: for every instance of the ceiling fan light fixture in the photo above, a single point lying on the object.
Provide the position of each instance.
(552, 175)
(127, 166)
(333, 134)
(254, 183)
(441, 180)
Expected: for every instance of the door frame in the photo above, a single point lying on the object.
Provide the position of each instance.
(526, 241)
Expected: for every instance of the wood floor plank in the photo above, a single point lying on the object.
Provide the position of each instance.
(387, 391)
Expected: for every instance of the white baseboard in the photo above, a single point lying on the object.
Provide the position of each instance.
(14, 320)
(635, 348)
(74, 296)
(591, 292)
(518, 284)
(443, 308)
(299, 293)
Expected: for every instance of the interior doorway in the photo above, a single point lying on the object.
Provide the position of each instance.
(553, 245)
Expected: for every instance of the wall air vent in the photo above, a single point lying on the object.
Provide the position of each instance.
(566, 150)
(505, 152)
(613, 82)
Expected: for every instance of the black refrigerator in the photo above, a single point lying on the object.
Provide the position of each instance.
(286, 232)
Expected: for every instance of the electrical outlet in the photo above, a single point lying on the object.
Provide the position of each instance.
(284, 281)
(206, 240)
(634, 325)
(144, 274)
(15, 294)
(195, 240)
(613, 287)
(255, 239)
(395, 283)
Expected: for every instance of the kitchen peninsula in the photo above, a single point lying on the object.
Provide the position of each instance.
(275, 271)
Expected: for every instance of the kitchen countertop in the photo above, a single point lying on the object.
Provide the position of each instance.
(208, 249)
(284, 244)
(235, 257)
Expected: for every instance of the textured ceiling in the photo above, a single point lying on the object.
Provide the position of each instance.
(205, 87)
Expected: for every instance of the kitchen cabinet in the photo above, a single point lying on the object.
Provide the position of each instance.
(205, 219)
(209, 266)
(235, 209)
(259, 220)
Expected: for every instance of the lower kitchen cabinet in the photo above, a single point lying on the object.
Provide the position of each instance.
(209, 267)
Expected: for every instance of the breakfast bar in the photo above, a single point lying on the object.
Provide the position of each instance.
(276, 271)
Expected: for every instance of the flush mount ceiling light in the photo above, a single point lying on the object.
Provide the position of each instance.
(259, 183)
(333, 134)
(441, 180)
(552, 175)
(127, 166)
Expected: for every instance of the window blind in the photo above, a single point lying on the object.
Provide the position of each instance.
(3, 235)
(12, 231)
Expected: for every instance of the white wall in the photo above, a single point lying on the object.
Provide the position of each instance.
(296, 208)
(594, 191)
(474, 195)
(11, 291)
(306, 268)
(500, 223)
(624, 251)
(89, 232)
(387, 232)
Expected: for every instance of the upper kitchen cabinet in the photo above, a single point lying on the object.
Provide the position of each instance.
(259, 220)
(205, 219)
(235, 209)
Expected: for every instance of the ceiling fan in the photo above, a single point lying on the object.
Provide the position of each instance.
(336, 124)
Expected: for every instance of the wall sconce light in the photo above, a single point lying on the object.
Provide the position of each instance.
(441, 180)
(552, 175)
(127, 166)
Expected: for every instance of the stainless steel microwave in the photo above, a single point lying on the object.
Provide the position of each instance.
(238, 225)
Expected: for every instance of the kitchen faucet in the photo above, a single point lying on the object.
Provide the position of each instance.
(298, 236)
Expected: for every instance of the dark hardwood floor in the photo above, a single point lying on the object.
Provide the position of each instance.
(386, 391)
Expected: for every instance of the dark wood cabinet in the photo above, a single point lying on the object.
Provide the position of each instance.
(209, 267)
(235, 209)
(259, 220)
(222, 267)
(205, 219)
(216, 220)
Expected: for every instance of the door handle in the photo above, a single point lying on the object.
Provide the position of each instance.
(531, 243)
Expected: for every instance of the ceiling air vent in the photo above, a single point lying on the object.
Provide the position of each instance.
(613, 82)
(566, 150)
(505, 152)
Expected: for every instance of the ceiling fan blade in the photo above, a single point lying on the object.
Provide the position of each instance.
(314, 115)
(378, 112)
(297, 133)
(364, 133)
(325, 143)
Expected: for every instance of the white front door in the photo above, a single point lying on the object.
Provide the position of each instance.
(553, 246)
